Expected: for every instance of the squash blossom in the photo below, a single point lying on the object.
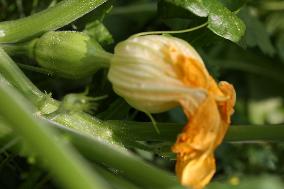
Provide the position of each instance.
(155, 73)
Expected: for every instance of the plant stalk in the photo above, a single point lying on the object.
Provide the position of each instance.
(52, 18)
(16, 77)
(68, 167)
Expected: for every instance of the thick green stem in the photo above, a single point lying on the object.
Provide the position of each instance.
(15, 76)
(67, 166)
(140, 131)
(129, 165)
(89, 126)
(50, 19)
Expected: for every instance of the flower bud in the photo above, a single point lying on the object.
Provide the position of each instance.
(147, 73)
(70, 54)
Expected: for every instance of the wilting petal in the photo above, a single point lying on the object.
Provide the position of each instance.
(196, 172)
(226, 109)
(195, 146)
(206, 129)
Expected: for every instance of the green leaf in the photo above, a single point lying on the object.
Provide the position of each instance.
(194, 6)
(256, 34)
(169, 9)
(223, 22)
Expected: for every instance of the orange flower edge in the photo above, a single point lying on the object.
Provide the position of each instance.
(207, 127)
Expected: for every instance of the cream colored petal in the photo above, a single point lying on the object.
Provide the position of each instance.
(140, 74)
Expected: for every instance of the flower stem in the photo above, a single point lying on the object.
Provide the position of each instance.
(171, 32)
(52, 18)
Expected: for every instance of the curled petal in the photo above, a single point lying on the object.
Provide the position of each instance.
(226, 109)
(195, 146)
(196, 172)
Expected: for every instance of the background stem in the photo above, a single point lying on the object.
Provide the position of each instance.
(142, 131)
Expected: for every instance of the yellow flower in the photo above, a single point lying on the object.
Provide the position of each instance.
(154, 73)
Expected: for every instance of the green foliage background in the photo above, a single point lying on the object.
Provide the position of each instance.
(244, 46)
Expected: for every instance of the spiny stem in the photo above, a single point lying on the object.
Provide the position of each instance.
(67, 166)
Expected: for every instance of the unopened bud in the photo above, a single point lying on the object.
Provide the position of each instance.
(70, 54)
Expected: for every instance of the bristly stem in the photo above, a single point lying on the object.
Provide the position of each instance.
(10, 72)
(67, 166)
(16, 77)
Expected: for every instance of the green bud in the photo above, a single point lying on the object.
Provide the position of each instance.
(70, 54)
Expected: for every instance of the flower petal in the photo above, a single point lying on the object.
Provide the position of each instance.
(195, 146)
(205, 131)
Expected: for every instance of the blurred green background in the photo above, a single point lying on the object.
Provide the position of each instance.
(255, 66)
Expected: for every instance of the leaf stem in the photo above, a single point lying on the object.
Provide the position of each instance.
(52, 18)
